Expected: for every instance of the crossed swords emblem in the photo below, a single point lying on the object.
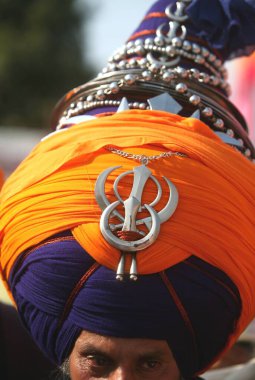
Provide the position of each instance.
(132, 206)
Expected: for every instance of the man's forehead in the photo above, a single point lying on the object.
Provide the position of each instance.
(88, 341)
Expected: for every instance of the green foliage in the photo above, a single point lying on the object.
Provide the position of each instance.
(41, 58)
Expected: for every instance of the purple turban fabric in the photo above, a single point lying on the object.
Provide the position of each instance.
(60, 291)
(225, 25)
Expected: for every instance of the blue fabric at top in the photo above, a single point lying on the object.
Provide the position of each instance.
(227, 25)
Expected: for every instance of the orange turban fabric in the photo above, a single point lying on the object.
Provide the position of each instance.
(53, 190)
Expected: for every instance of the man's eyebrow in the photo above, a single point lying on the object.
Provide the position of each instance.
(90, 349)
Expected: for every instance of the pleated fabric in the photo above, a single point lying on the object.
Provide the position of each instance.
(53, 191)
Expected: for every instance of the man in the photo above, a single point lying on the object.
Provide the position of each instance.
(128, 235)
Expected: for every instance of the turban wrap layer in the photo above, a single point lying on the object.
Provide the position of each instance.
(196, 285)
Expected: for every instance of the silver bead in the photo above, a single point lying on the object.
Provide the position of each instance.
(149, 41)
(80, 105)
(138, 42)
(90, 98)
(70, 113)
(218, 63)
(247, 152)
(136, 105)
(241, 142)
(100, 95)
(130, 79)
(181, 88)
(203, 77)
(195, 100)
(147, 75)
(114, 88)
(130, 45)
(219, 123)
(142, 62)
(112, 67)
(205, 52)
(159, 41)
(196, 48)
(168, 76)
(72, 105)
(132, 62)
(211, 58)
(170, 50)
(215, 81)
(122, 65)
(117, 57)
(200, 59)
(142, 106)
(140, 50)
(182, 72)
(187, 45)
(207, 111)
(194, 73)
(230, 133)
(155, 67)
(177, 42)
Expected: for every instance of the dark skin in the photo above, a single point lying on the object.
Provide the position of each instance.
(99, 357)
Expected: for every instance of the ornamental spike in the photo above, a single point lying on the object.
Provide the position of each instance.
(123, 105)
(165, 102)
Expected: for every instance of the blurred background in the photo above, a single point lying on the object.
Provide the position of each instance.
(48, 47)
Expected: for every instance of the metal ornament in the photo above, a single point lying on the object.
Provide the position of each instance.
(125, 236)
(165, 102)
(123, 105)
(174, 37)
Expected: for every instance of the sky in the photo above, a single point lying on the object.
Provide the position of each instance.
(110, 25)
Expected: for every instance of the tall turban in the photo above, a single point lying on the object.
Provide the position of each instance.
(61, 270)
(196, 281)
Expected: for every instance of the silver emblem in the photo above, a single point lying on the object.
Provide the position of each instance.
(126, 235)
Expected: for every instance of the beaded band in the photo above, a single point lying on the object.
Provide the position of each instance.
(166, 49)
(145, 68)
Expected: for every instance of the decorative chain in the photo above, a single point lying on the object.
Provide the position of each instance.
(143, 159)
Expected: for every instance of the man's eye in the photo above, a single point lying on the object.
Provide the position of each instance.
(98, 360)
(151, 364)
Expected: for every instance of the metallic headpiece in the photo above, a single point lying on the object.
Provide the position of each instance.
(165, 68)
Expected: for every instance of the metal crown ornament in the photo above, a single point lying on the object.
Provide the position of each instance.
(126, 236)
